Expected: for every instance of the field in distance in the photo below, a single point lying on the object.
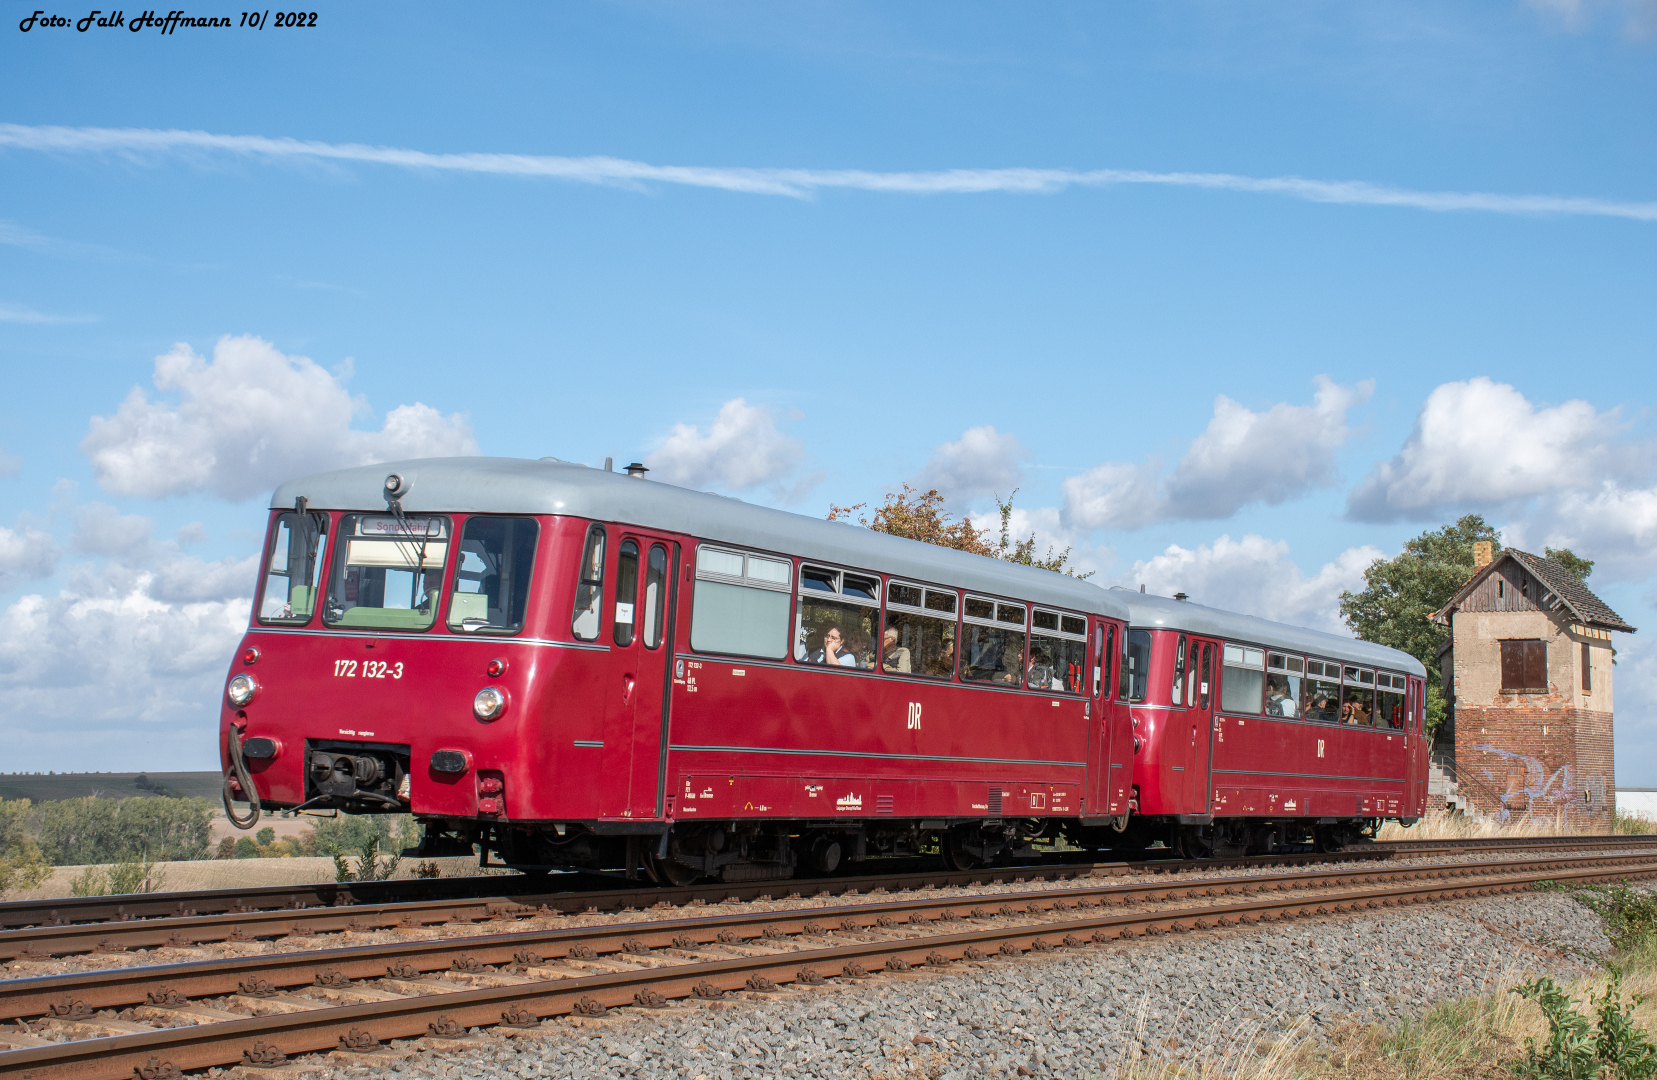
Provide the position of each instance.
(39, 787)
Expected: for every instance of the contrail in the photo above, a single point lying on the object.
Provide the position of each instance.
(802, 183)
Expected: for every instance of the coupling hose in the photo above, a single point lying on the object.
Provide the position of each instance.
(238, 769)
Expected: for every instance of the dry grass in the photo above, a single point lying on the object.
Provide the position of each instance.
(236, 873)
(1443, 826)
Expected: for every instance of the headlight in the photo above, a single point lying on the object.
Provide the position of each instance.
(490, 703)
(241, 690)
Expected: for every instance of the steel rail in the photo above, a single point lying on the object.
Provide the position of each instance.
(113, 988)
(459, 894)
(165, 1051)
(215, 929)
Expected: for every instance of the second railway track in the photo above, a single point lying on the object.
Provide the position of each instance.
(100, 1025)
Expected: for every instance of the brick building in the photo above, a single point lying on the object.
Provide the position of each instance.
(1527, 674)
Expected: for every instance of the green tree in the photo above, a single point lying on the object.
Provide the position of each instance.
(1400, 594)
(1579, 567)
(21, 863)
(75, 832)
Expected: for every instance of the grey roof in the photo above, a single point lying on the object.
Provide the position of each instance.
(548, 486)
(1145, 609)
(1571, 594)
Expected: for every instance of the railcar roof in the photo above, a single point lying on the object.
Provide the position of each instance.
(1162, 612)
(485, 485)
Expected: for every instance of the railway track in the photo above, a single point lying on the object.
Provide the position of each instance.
(456, 896)
(158, 1020)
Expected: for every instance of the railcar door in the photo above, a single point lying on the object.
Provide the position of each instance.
(1200, 691)
(641, 666)
(1110, 751)
(1415, 780)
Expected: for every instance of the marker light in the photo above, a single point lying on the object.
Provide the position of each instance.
(250, 655)
(496, 668)
(241, 690)
(490, 703)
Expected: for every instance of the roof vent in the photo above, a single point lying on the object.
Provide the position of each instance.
(1181, 597)
(636, 471)
(1142, 587)
(609, 464)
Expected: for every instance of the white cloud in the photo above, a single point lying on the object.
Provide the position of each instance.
(1115, 496)
(798, 183)
(982, 461)
(26, 554)
(249, 419)
(1242, 457)
(743, 449)
(1481, 444)
(1615, 526)
(13, 313)
(1268, 457)
(1255, 576)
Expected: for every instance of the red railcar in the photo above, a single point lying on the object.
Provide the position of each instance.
(569, 667)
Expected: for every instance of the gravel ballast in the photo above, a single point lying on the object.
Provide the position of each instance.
(1068, 1014)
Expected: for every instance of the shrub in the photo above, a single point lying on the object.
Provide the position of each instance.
(351, 832)
(132, 876)
(21, 864)
(1612, 1047)
(93, 830)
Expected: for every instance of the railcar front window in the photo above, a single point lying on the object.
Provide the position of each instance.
(838, 620)
(1058, 652)
(589, 590)
(491, 588)
(293, 569)
(387, 572)
(740, 604)
(920, 631)
(1244, 679)
(1135, 677)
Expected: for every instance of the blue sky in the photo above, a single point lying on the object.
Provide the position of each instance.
(1238, 300)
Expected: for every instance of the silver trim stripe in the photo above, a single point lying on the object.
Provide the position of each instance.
(422, 636)
(1310, 776)
(859, 754)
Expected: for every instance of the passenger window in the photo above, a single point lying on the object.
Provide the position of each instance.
(1389, 699)
(1135, 677)
(589, 590)
(1207, 670)
(740, 604)
(491, 589)
(655, 595)
(920, 631)
(294, 569)
(1358, 697)
(1177, 692)
(1323, 691)
(1282, 688)
(838, 620)
(627, 592)
(1244, 679)
(387, 571)
(992, 642)
(1058, 657)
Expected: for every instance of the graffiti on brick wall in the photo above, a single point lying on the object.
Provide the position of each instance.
(1527, 789)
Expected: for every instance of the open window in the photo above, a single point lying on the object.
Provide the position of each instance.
(1323, 691)
(293, 568)
(1358, 696)
(1058, 652)
(1284, 676)
(921, 626)
(838, 619)
(992, 641)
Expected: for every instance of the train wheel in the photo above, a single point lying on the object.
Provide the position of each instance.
(952, 847)
(674, 872)
(1192, 844)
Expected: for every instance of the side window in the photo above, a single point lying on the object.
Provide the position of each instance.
(491, 589)
(1283, 676)
(294, 568)
(1104, 652)
(1358, 696)
(992, 641)
(1389, 700)
(740, 605)
(1058, 652)
(1207, 673)
(589, 592)
(1323, 691)
(1135, 677)
(1245, 678)
(655, 595)
(1176, 693)
(839, 618)
(920, 631)
(627, 592)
